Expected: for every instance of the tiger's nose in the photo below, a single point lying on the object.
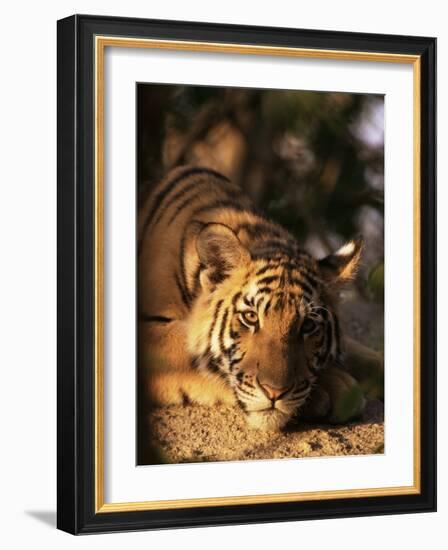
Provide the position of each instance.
(274, 393)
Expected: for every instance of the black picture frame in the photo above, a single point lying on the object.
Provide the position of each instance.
(76, 255)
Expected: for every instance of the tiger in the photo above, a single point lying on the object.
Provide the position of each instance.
(232, 310)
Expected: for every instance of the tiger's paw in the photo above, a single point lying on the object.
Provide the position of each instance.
(177, 388)
(337, 398)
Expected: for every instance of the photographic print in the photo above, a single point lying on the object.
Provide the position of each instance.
(260, 274)
(246, 274)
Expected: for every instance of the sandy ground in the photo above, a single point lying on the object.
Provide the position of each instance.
(192, 433)
(196, 434)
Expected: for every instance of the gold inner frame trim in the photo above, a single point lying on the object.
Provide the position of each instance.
(101, 42)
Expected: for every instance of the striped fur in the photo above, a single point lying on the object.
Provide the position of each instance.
(229, 301)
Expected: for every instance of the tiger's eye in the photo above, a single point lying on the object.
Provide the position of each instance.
(250, 317)
(308, 326)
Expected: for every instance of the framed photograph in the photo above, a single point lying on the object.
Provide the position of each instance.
(246, 274)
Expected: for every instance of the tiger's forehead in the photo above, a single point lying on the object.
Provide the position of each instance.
(282, 290)
(286, 278)
(288, 302)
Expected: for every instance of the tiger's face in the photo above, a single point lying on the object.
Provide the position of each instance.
(265, 326)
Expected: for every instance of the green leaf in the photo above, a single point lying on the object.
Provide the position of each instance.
(375, 283)
(349, 405)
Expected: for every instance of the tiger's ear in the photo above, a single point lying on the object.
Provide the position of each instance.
(220, 252)
(342, 265)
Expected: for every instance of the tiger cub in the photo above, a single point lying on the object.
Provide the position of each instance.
(231, 309)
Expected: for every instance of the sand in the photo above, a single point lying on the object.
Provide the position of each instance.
(197, 434)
